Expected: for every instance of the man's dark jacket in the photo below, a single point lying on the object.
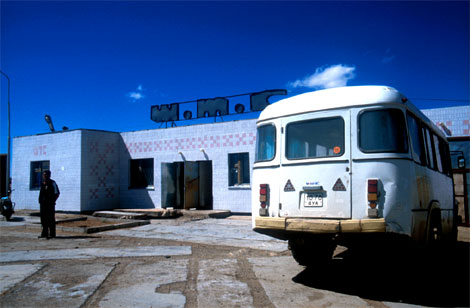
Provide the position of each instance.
(49, 193)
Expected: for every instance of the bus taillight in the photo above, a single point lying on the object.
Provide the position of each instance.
(264, 199)
(372, 197)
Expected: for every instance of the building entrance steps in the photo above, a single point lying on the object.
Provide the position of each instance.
(138, 213)
(206, 213)
(162, 213)
(120, 215)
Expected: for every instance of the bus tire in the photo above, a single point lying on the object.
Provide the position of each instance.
(434, 230)
(310, 251)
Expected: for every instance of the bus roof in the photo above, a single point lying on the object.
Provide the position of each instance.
(333, 98)
(342, 97)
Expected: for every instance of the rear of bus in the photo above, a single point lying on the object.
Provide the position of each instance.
(334, 162)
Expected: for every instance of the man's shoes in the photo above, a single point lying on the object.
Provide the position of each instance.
(42, 236)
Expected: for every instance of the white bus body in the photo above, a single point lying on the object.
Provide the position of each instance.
(350, 161)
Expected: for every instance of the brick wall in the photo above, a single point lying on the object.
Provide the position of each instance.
(100, 170)
(92, 167)
(62, 149)
(457, 119)
(164, 145)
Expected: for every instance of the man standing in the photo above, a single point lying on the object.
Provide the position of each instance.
(47, 197)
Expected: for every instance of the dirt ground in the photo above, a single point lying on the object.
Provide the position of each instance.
(89, 222)
(397, 278)
(188, 288)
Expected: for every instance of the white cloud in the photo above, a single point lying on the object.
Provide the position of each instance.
(136, 95)
(330, 77)
(389, 57)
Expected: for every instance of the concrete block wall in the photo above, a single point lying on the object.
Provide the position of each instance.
(63, 150)
(138, 145)
(99, 170)
(164, 145)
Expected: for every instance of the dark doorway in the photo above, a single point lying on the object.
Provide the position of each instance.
(205, 184)
(3, 175)
(187, 185)
(172, 185)
(191, 184)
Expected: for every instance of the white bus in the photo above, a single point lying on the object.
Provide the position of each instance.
(347, 163)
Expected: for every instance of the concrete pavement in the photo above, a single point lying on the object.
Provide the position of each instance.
(177, 263)
(210, 231)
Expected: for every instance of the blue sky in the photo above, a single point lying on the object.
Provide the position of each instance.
(102, 64)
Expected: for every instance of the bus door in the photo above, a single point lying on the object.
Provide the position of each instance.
(315, 178)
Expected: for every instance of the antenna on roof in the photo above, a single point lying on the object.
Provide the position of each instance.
(49, 122)
(445, 128)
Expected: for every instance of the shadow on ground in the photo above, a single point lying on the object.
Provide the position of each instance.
(75, 237)
(413, 276)
(16, 219)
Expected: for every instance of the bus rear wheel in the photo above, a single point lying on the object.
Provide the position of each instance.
(311, 251)
(434, 238)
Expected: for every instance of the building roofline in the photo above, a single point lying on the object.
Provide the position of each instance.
(67, 131)
(448, 107)
(132, 131)
(191, 125)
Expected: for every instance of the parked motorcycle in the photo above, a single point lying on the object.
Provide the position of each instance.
(7, 207)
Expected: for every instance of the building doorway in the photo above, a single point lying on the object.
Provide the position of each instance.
(460, 147)
(187, 185)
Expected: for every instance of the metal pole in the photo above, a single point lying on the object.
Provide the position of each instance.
(7, 184)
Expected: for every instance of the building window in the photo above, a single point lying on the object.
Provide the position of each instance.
(37, 168)
(239, 169)
(141, 173)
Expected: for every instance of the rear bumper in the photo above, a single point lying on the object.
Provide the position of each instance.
(319, 226)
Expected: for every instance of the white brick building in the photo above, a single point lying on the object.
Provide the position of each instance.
(93, 168)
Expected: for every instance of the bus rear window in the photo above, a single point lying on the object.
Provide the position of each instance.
(382, 130)
(265, 143)
(315, 138)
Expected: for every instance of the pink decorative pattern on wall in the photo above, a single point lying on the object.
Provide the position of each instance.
(191, 143)
(459, 126)
(94, 193)
(93, 147)
(40, 150)
(109, 148)
(466, 129)
(94, 170)
(109, 192)
(101, 170)
(109, 170)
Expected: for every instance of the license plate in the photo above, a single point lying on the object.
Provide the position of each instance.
(313, 200)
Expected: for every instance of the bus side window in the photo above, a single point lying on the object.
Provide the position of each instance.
(445, 156)
(425, 149)
(430, 151)
(438, 153)
(265, 143)
(417, 140)
(382, 130)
